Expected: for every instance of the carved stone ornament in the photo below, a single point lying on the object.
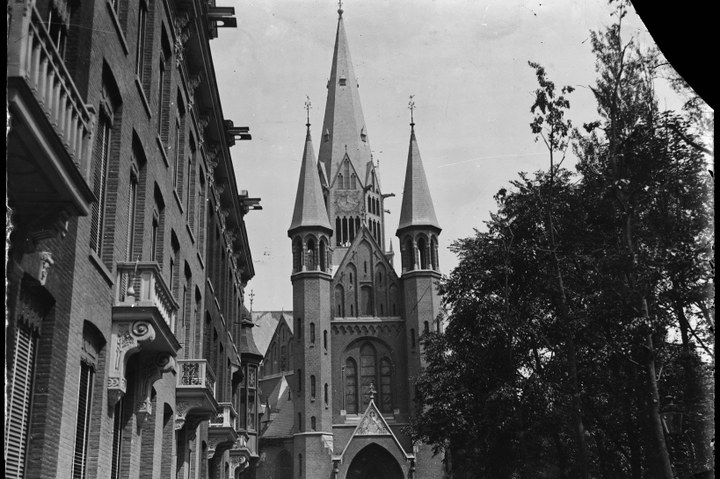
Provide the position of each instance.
(38, 265)
(151, 372)
(371, 424)
(182, 408)
(125, 341)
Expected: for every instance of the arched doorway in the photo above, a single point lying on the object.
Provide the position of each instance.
(374, 462)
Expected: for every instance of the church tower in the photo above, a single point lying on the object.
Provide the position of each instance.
(345, 160)
(311, 233)
(356, 322)
(418, 231)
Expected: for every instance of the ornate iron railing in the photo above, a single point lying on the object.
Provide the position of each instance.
(195, 373)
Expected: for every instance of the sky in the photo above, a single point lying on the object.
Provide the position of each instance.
(465, 62)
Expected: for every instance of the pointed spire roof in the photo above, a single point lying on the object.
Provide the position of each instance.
(309, 202)
(417, 205)
(344, 125)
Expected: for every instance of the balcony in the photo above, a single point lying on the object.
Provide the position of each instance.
(52, 126)
(195, 393)
(241, 456)
(221, 431)
(141, 290)
(143, 317)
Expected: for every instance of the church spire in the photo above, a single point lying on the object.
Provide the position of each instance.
(417, 205)
(309, 202)
(344, 130)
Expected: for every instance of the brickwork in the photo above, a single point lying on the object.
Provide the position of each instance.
(118, 78)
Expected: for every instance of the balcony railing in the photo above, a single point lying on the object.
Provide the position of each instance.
(195, 373)
(43, 68)
(141, 284)
(226, 417)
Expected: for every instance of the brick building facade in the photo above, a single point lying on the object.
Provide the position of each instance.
(337, 378)
(128, 254)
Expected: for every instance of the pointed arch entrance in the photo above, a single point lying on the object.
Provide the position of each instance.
(374, 462)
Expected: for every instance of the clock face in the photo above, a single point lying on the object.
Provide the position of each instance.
(347, 202)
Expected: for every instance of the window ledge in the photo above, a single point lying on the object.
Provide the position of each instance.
(202, 264)
(143, 96)
(189, 230)
(161, 145)
(118, 28)
(178, 201)
(100, 266)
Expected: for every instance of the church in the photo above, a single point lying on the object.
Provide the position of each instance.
(338, 370)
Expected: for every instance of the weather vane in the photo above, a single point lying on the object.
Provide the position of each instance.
(340, 8)
(411, 106)
(308, 105)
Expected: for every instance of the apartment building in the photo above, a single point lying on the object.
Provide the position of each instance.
(127, 253)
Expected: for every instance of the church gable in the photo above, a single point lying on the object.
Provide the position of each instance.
(373, 425)
(365, 283)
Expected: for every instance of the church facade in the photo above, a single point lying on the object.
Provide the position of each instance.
(338, 374)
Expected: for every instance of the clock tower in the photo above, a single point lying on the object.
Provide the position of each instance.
(356, 323)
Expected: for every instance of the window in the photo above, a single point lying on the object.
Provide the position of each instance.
(82, 427)
(299, 380)
(312, 333)
(18, 400)
(58, 24)
(190, 187)
(385, 391)
(312, 387)
(351, 399)
(102, 155)
(140, 47)
(367, 371)
(118, 425)
(154, 237)
(313, 423)
(325, 394)
(325, 340)
(132, 213)
(161, 95)
(177, 153)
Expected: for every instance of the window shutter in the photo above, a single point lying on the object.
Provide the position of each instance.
(100, 183)
(18, 397)
(83, 421)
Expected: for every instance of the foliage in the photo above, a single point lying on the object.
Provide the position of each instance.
(544, 369)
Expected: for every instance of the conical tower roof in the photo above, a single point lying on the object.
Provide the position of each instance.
(309, 202)
(344, 129)
(417, 205)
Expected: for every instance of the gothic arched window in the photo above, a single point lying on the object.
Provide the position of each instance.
(385, 389)
(368, 371)
(351, 386)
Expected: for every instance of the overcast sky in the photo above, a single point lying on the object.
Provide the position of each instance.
(465, 62)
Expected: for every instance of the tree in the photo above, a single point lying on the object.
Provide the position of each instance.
(560, 310)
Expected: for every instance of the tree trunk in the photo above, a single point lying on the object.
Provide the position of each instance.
(657, 447)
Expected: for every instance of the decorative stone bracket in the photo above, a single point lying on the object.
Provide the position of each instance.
(126, 340)
(152, 371)
(183, 416)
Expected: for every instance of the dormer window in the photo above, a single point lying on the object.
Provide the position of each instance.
(363, 134)
(343, 81)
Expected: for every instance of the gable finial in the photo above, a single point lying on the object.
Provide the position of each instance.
(308, 105)
(340, 8)
(411, 106)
